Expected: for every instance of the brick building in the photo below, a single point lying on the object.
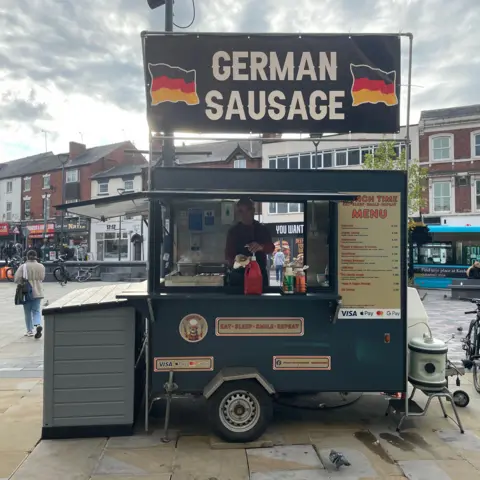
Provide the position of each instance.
(31, 186)
(449, 147)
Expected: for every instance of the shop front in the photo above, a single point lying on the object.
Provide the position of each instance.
(38, 231)
(289, 237)
(121, 239)
(75, 232)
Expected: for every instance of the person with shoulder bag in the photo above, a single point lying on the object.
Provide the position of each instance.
(29, 279)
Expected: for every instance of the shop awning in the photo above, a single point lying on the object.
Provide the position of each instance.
(131, 204)
(137, 203)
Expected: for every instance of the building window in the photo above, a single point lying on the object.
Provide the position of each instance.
(9, 187)
(240, 163)
(27, 184)
(354, 157)
(366, 151)
(46, 181)
(103, 188)
(305, 161)
(282, 162)
(272, 163)
(72, 176)
(442, 196)
(327, 159)
(317, 160)
(128, 185)
(340, 159)
(477, 194)
(8, 210)
(476, 144)
(293, 162)
(285, 208)
(441, 148)
(109, 244)
(26, 209)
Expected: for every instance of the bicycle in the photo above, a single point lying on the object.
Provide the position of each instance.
(471, 345)
(62, 275)
(13, 264)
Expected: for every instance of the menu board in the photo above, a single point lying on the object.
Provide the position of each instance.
(369, 253)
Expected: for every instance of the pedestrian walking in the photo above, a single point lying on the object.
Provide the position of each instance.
(29, 279)
(279, 262)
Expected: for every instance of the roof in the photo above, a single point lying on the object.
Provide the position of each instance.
(220, 151)
(120, 171)
(47, 162)
(91, 155)
(453, 112)
(29, 165)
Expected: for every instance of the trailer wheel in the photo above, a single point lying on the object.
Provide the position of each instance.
(240, 411)
(461, 398)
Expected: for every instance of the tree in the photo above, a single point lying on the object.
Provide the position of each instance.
(386, 158)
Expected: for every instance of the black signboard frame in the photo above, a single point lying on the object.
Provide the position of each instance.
(180, 78)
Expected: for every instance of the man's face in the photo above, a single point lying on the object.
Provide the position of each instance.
(245, 214)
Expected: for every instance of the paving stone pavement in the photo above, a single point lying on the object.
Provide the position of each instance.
(297, 445)
(22, 357)
(445, 316)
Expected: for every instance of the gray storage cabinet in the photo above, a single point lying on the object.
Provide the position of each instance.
(89, 371)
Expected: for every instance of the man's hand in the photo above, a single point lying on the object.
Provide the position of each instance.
(254, 247)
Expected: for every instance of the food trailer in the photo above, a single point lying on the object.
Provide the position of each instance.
(202, 335)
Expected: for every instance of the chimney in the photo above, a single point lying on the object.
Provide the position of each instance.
(76, 149)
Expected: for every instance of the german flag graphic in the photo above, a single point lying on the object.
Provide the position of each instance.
(172, 84)
(372, 85)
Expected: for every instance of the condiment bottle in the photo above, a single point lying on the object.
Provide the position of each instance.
(288, 280)
(300, 282)
(253, 284)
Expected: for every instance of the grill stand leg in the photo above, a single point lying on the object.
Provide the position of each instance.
(170, 387)
(445, 393)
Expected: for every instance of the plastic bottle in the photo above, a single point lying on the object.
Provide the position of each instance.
(253, 284)
(288, 280)
(300, 282)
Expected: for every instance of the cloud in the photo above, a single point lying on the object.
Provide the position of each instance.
(58, 57)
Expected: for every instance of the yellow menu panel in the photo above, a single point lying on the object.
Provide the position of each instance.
(369, 252)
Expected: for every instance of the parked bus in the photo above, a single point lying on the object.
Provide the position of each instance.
(449, 254)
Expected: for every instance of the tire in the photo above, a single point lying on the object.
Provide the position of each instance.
(250, 421)
(461, 398)
(60, 276)
(10, 274)
(475, 353)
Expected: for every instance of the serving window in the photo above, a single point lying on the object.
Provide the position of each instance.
(200, 229)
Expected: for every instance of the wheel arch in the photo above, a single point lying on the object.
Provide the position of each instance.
(229, 374)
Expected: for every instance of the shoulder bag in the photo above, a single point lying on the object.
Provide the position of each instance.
(24, 292)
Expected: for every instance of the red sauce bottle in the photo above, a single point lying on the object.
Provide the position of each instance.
(253, 284)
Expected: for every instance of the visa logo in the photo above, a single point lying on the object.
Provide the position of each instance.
(349, 313)
(163, 363)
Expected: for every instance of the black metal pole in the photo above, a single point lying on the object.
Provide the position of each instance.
(62, 226)
(159, 242)
(120, 238)
(168, 158)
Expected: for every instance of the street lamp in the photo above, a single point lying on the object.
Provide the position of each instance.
(46, 204)
(63, 159)
(120, 191)
(316, 137)
(153, 4)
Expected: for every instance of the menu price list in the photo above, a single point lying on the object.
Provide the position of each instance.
(369, 251)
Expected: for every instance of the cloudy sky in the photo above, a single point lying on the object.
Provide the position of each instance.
(72, 70)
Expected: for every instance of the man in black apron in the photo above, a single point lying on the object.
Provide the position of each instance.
(248, 237)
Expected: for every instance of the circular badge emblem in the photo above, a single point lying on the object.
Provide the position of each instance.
(193, 328)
